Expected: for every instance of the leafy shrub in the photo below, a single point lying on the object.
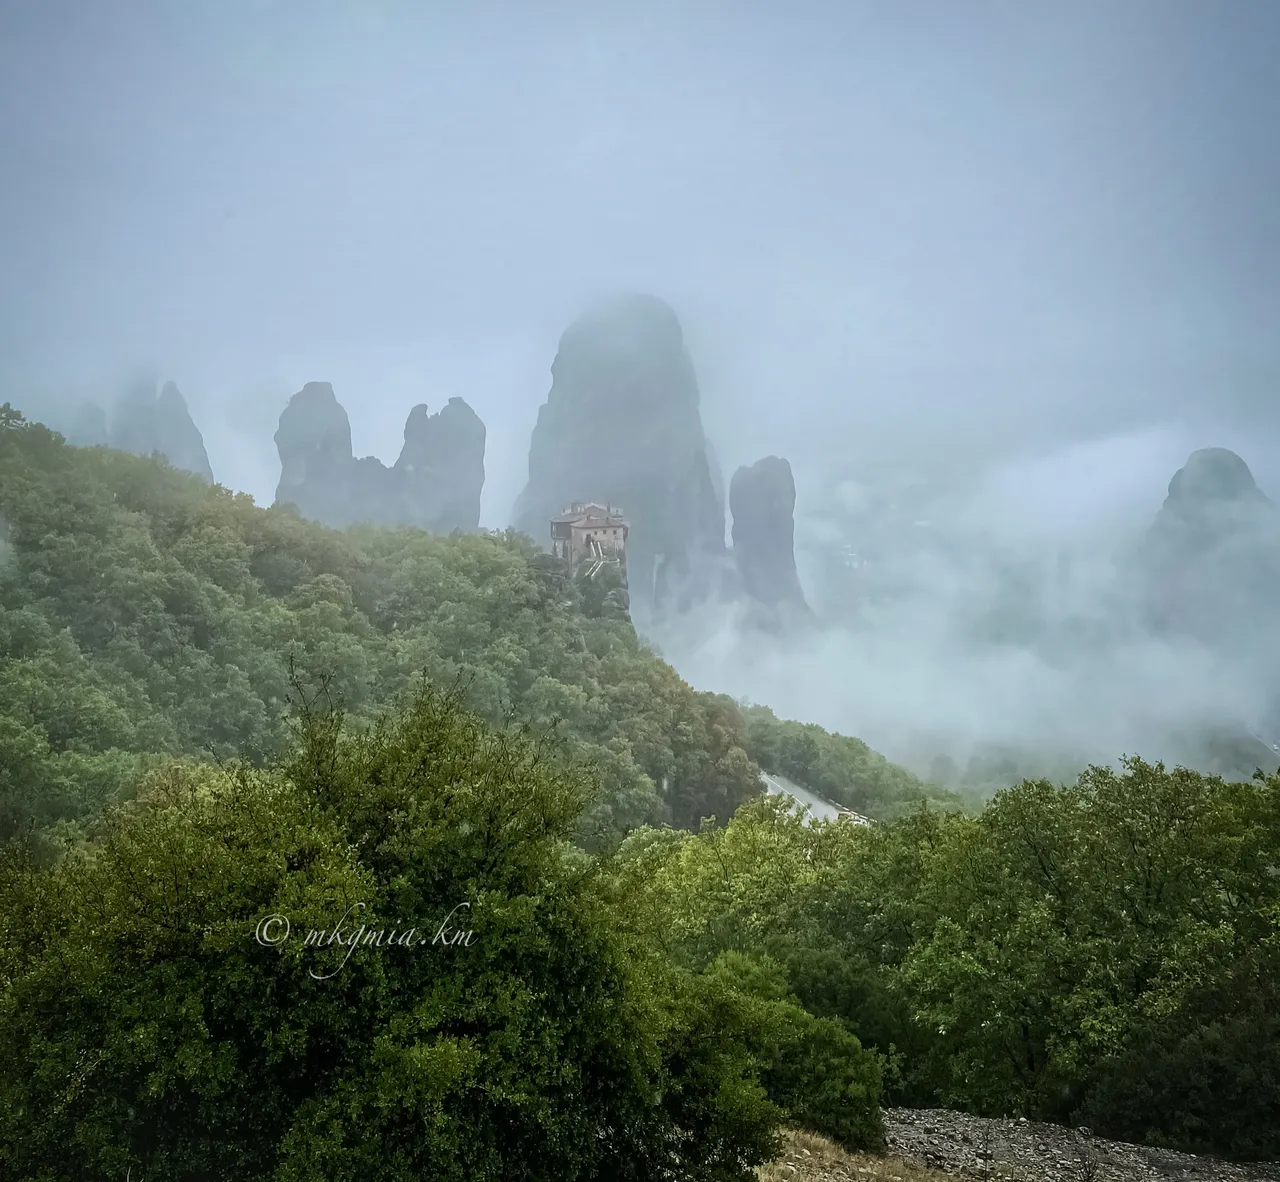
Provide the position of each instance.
(1207, 1077)
(143, 1027)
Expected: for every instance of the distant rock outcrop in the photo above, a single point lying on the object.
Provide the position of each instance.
(316, 466)
(1213, 483)
(435, 484)
(1212, 556)
(762, 499)
(145, 424)
(441, 467)
(622, 425)
(176, 435)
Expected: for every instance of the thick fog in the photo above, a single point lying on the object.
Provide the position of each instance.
(1011, 622)
(1008, 263)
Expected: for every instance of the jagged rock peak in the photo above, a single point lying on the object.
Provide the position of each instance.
(1213, 497)
(133, 427)
(435, 484)
(762, 499)
(144, 424)
(641, 330)
(441, 467)
(431, 435)
(1211, 559)
(177, 435)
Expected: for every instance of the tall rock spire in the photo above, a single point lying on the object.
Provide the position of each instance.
(621, 424)
(763, 501)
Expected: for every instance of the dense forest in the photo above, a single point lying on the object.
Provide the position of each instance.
(216, 718)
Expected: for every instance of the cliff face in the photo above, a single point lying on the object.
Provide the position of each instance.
(144, 424)
(435, 484)
(762, 499)
(622, 425)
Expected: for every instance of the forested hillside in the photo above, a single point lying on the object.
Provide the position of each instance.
(145, 614)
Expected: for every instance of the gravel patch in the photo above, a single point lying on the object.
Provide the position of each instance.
(1027, 1151)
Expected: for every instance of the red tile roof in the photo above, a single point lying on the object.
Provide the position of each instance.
(592, 516)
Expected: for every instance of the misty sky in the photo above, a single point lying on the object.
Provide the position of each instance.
(896, 233)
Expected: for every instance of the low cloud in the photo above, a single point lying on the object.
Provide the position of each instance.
(1006, 613)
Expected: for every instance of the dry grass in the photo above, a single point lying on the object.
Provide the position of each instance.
(806, 1157)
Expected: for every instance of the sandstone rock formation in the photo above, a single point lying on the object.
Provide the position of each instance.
(145, 424)
(1212, 555)
(622, 425)
(441, 467)
(762, 499)
(435, 484)
(717, 474)
(1210, 565)
(1214, 487)
(316, 466)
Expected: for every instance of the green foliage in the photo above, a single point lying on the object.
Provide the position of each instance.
(1072, 924)
(716, 1041)
(819, 1073)
(144, 1029)
(605, 593)
(828, 1083)
(1207, 1076)
(772, 1058)
(1104, 951)
(736, 894)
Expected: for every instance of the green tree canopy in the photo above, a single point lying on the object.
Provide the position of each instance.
(144, 1028)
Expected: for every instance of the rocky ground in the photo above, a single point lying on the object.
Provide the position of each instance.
(940, 1146)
